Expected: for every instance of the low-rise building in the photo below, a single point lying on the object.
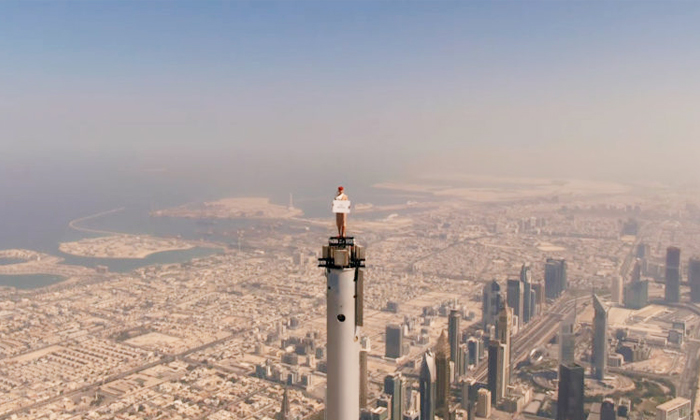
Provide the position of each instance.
(675, 409)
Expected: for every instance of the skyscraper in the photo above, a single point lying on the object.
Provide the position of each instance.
(525, 273)
(412, 401)
(492, 299)
(600, 338)
(364, 375)
(540, 300)
(570, 393)
(473, 350)
(463, 361)
(393, 385)
(636, 294)
(529, 298)
(454, 338)
(496, 379)
(641, 250)
(484, 402)
(567, 340)
(394, 341)
(637, 270)
(343, 260)
(486, 338)
(468, 392)
(505, 321)
(284, 411)
(515, 298)
(427, 384)
(530, 303)
(555, 281)
(442, 364)
(616, 290)
(694, 279)
(673, 275)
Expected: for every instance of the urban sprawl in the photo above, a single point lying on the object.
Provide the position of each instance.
(569, 304)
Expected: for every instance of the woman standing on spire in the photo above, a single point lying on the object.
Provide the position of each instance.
(341, 219)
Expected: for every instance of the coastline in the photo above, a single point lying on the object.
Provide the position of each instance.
(231, 208)
(136, 247)
(139, 256)
(39, 263)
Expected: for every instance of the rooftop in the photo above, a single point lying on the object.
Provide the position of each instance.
(674, 403)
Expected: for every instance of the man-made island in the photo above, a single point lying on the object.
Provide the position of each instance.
(17, 262)
(123, 246)
(232, 208)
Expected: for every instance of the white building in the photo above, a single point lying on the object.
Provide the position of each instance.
(675, 409)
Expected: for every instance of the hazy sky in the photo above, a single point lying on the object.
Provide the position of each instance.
(606, 89)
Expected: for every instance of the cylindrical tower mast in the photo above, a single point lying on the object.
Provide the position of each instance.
(343, 261)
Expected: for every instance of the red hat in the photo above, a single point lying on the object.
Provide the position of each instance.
(341, 188)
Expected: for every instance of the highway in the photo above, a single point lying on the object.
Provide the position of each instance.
(535, 333)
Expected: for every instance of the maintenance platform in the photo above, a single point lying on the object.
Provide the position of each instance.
(342, 252)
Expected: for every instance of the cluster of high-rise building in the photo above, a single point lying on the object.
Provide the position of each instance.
(636, 291)
(523, 296)
(437, 375)
(570, 393)
(395, 388)
(502, 314)
(237, 347)
(442, 369)
(672, 279)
